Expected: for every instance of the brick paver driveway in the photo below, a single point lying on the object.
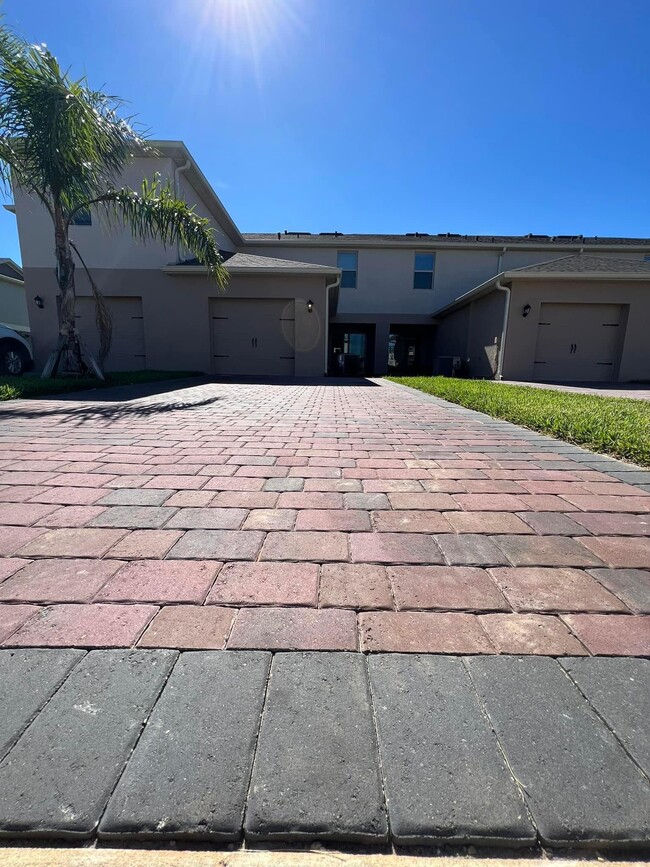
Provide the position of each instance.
(310, 518)
(314, 517)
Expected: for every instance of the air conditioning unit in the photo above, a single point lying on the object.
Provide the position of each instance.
(446, 365)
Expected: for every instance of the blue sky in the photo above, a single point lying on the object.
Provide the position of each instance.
(507, 116)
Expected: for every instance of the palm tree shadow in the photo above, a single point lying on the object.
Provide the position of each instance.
(77, 414)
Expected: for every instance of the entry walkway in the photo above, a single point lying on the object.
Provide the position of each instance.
(350, 613)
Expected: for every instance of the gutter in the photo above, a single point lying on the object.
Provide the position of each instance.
(177, 172)
(504, 328)
(328, 286)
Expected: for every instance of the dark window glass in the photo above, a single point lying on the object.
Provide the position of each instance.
(423, 280)
(347, 261)
(424, 261)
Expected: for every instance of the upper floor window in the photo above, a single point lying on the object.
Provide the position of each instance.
(82, 218)
(348, 263)
(423, 271)
(646, 258)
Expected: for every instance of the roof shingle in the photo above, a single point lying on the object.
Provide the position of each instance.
(583, 263)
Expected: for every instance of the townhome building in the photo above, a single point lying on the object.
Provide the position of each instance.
(530, 307)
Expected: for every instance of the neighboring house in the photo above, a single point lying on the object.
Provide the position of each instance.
(13, 305)
(303, 304)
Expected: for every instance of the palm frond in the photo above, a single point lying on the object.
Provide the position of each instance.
(58, 136)
(155, 214)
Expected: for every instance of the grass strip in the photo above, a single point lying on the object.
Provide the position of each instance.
(32, 386)
(610, 425)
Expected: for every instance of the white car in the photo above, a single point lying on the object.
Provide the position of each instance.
(15, 353)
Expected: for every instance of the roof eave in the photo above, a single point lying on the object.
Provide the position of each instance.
(221, 214)
(576, 275)
(511, 276)
(476, 292)
(438, 244)
(243, 269)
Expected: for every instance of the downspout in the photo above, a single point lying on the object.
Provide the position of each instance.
(177, 172)
(329, 286)
(506, 310)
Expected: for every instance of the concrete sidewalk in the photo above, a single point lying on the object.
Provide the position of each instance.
(276, 858)
(597, 389)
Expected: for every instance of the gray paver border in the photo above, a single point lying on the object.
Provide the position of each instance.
(330, 833)
(632, 474)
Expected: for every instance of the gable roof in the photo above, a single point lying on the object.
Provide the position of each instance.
(580, 266)
(583, 263)
(248, 263)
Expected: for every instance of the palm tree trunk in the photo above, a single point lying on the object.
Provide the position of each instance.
(70, 360)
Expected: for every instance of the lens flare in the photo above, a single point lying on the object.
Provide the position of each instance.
(226, 44)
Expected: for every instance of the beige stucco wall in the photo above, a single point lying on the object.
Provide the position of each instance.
(634, 361)
(452, 332)
(101, 245)
(472, 332)
(484, 335)
(176, 311)
(385, 275)
(13, 305)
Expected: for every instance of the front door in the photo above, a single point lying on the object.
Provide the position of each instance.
(577, 342)
(351, 350)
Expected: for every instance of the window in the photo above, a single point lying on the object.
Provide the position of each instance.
(646, 258)
(82, 218)
(423, 272)
(348, 263)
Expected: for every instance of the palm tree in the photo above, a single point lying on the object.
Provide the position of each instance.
(67, 145)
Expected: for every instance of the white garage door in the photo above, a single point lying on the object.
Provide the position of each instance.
(253, 337)
(577, 342)
(127, 347)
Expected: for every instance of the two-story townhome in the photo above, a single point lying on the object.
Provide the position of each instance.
(299, 304)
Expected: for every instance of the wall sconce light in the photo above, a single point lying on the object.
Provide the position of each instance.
(39, 302)
(526, 310)
(310, 306)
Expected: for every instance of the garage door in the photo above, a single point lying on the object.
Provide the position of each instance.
(127, 347)
(577, 342)
(253, 337)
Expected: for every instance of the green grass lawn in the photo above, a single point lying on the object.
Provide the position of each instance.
(612, 425)
(31, 385)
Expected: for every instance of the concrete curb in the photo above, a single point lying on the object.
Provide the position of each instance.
(155, 858)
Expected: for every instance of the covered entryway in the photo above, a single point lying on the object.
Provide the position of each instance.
(578, 342)
(352, 348)
(253, 336)
(127, 344)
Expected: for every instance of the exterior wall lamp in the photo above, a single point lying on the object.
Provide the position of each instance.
(526, 310)
(39, 302)
(310, 306)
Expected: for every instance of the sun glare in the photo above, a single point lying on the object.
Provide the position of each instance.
(245, 26)
(230, 39)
